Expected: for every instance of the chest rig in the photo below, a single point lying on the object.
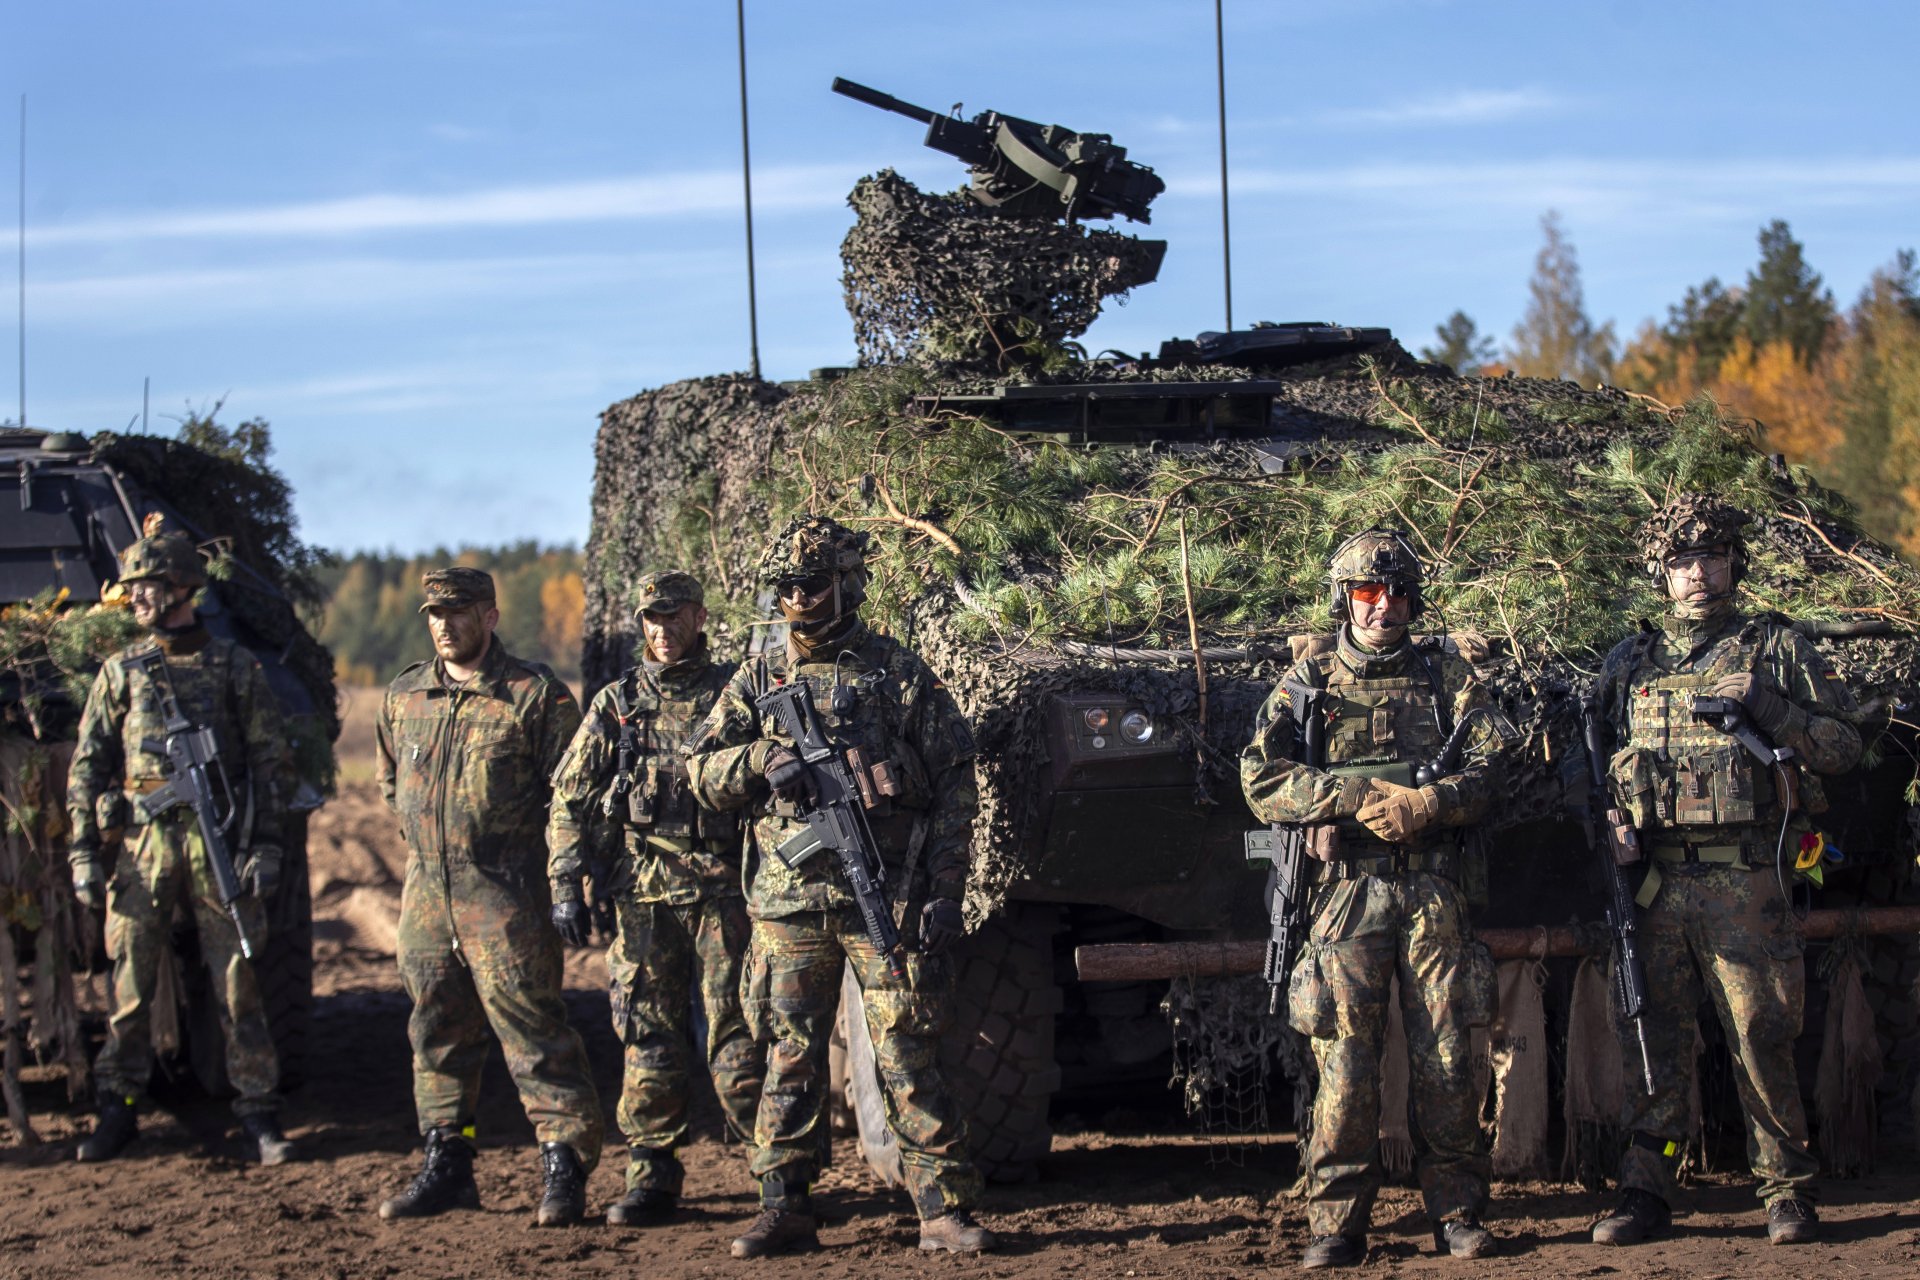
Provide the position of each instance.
(858, 708)
(1676, 771)
(1382, 726)
(650, 788)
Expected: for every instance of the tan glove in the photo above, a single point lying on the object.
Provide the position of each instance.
(1396, 813)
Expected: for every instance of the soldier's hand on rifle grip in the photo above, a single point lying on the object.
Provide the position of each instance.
(262, 875)
(786, 777)
(90, 884)
(573, 922)
(942, 923)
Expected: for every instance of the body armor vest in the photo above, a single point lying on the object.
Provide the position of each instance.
(650, 789)
(1382, 728)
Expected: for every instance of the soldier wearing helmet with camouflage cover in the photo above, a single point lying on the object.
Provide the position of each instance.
(220, 687)
(917, 752)
(668, 872)
(1710, 821)
(1389, 898)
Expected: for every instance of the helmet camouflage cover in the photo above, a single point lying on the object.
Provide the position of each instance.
(163, 553)
(812, 544)
(1377, 555)
(1690, 521)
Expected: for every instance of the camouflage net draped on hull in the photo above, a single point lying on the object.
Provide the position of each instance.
(940, 276)
(997, 556)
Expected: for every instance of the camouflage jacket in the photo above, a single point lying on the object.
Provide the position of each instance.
(901, 713)
(1669, 769)
(466, 768)
(1382, 722)
(674, 851)
(221, 687)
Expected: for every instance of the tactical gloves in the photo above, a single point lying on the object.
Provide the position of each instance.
(1767, 709)
(941, 925)
(785, 775)
(89, 880)
(574, 922)
(262, 875)
(1396, 813)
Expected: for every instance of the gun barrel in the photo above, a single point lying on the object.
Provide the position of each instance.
(884, 101)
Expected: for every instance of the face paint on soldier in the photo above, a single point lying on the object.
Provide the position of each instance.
(1699, 574)
(158, 604)
(1377, 613)
(670, 636)
(461, 635)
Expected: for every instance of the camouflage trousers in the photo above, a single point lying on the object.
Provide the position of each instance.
(660, 951)
(1727, 931)
(163, 869)
(480, 959)
(791, 992)
(1366, 932)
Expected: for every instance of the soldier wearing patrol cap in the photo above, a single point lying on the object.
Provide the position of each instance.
(1389, 898)
(467, 742)
(220, 688)
(915, 756)
(665, 874)
(1715, 831)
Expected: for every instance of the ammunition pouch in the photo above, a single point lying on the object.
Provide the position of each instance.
(661, 803)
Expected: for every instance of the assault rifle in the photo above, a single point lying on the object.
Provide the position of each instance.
(1729, 716)
(1283, 847)
(196, 774)
(1612, 836)
(837, 819)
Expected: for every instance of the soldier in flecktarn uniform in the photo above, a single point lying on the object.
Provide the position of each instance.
(666, 874)
(118, 773)
(1717, 835)
(467, 742)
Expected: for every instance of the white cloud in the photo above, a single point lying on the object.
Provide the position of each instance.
(605, 200)
(1468, 106)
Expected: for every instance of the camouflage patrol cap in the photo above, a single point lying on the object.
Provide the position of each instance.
(665, 592)
(1692, 521)
(812, 544)
(456, 587)
(1377, 555)
(163, 553)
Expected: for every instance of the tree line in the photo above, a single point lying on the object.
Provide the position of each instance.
(1836, 388)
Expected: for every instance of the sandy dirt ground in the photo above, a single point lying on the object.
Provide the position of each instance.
(1129, 1194)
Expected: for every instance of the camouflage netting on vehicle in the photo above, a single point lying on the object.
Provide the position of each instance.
(1012, 563)
(941, 277)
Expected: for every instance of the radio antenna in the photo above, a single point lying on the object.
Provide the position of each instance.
(746, 182)
(23, 260)
(1220, 81)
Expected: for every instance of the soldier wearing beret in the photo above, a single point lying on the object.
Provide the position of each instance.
(467, 742)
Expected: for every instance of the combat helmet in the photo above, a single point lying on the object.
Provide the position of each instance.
(1378, 554)
(162, 553)
(1690, 522)
(814, 544)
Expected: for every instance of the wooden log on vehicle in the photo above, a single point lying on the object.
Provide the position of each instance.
(1150, 961)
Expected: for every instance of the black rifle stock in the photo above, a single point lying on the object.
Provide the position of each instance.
(837, 819)
(1613, 838)
(193, 758)
(1283, 846)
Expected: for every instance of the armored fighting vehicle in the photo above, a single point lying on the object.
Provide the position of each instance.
(68, 506)
(1111, 559)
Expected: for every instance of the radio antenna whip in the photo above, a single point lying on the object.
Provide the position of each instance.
(1220, 81)
(746, 181)
(23, 260)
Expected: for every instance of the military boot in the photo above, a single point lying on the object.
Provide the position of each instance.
(1791, 1220)
(789, 1227)
(445, 1180)
(118, 1125)
(1640, 1215)
(643, 1207)
(272, 1145)
(1464, 1237)
(563, 1201)
(1334, 1251)
(956, 1232)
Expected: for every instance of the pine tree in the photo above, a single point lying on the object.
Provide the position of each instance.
(1556, 339)
(1880, 404)
(1462, 347)
(1706, 322)
(1785, 297)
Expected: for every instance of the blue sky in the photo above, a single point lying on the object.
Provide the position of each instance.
(430, 242)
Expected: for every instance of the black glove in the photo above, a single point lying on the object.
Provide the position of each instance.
(1767, 709)
(574, 922)
(90, 883)
(942, 924)
(262, 876)
(786, 776)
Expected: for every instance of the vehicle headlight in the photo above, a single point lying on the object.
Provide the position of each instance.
(1097, 719)
(1136, 726)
